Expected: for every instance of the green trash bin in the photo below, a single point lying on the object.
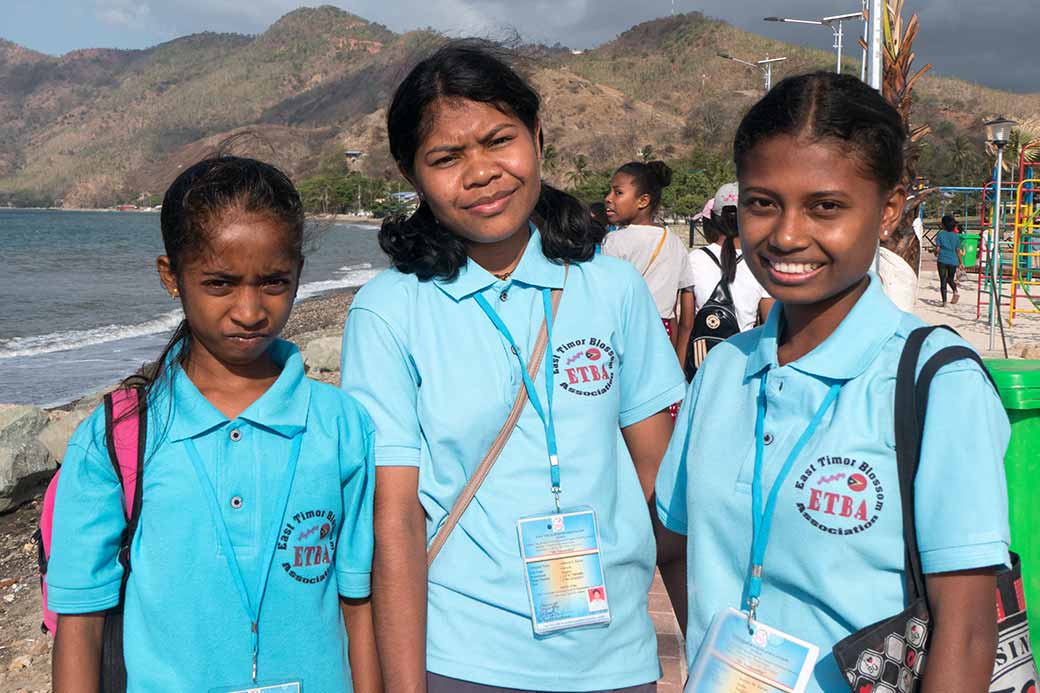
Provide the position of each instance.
(1019, 383)
(970, 246)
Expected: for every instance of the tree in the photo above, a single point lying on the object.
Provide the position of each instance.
(646, 153)
(580, 174)
(550, 158)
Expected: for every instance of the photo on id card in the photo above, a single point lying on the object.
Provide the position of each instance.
(563, 572)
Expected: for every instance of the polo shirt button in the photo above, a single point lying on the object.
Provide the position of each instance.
(504, 296)
(516, 352)
(235, 435)
(768, 439)
(236, 502)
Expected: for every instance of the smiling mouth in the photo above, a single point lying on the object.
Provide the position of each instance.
(248, 337)
(788, 272)
(491, 204)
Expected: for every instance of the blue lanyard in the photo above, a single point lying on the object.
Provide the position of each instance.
(762, 521)
(225, 537)
(546, 414)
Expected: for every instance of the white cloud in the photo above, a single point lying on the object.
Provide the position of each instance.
(125, 13)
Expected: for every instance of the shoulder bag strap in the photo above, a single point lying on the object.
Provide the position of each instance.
(707, 251)
(911, 407)
(470, 490)
(657, 250)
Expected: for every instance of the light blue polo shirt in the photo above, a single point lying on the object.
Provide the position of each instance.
(834, 563)
(439, 381)
(185, 628)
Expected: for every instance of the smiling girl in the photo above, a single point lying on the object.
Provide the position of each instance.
(809, 400)
(440, 347)
(248, 467)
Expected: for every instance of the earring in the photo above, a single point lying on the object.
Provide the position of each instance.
(175, 293)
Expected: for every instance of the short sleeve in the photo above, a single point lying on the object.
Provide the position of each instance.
(686, 279)
(376, 369)
(651, 379)
(83, 573)
(670, 487)
(961, 490)
(355, 544)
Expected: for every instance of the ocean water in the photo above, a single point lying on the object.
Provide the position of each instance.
(81, 305)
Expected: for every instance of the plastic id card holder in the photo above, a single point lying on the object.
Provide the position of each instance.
(286, 687)
(563, 571)
(732, 660)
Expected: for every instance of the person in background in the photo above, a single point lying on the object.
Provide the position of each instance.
(632, 203)
(721, 259)
(948, 248)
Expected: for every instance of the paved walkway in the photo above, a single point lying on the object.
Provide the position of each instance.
(670, 646)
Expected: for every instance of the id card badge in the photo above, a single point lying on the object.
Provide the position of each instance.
(733, 660)
(563, 570)
(261, 687)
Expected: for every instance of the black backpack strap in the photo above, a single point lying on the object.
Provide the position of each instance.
(707, 251)
(911, 407)
(135, 508)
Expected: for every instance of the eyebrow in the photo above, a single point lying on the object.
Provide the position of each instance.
(451, 148)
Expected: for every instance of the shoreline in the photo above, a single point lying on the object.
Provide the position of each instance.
(352, 219)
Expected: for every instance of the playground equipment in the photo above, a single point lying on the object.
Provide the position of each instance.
(987, 210)
(1025, 262)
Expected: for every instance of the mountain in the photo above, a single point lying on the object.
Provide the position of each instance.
(96, 127)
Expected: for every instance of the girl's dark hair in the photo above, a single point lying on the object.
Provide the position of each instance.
(199, 199)
(948, 222)
(650, 179)
(828, 106)
(478, 71)
(723, 223)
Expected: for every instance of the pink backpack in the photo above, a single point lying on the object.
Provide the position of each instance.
(125, 434)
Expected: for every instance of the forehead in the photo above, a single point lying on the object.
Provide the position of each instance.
(622, 180)
(459, 120)
(792, 164)
(244, 241)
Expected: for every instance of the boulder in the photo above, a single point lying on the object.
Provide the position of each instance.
(322, 355)
(25, 463)
(56, 436)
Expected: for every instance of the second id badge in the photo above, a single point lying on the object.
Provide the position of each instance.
(563, 570)
(286, 687)
(734, 660)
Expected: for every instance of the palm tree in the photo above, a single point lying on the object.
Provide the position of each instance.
(550, 158)
(962, 155)
(580, 174)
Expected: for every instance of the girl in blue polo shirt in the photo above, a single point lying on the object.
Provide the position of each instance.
(436, 349)
(786, 438)
(255, 532)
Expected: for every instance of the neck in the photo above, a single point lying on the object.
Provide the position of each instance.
(231, 388)
(500, 257)
(644, 219)
(808, 326)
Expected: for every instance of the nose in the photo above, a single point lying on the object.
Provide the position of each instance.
(481, 170)
(789, 234)
(248, 311)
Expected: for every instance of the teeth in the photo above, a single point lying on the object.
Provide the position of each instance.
(795, 267)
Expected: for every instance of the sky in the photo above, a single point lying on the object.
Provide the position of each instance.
(984, 41)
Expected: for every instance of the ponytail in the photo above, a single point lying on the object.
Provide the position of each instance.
(724, 224)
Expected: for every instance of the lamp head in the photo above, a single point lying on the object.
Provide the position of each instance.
(998, 130)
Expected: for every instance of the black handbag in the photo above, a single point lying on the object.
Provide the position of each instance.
(890, 656)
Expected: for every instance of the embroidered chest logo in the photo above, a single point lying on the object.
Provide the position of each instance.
(584, 366)
(308, 546)
(840, 495)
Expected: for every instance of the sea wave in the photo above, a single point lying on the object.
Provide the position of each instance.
(348, 276)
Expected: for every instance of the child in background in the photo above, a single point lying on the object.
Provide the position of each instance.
(632, 203)
(254, 544)
(801, 411)
(948, 247)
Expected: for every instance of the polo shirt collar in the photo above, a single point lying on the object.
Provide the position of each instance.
(534, 270)
(282, 409)
(848, 352)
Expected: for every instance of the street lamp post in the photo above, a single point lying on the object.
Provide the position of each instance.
(835, 23)
(998, 131)
(765, 65)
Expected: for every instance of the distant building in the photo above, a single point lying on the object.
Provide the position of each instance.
(353, 154)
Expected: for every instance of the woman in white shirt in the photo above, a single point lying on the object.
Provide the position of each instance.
(721, 257)
(631, 204)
